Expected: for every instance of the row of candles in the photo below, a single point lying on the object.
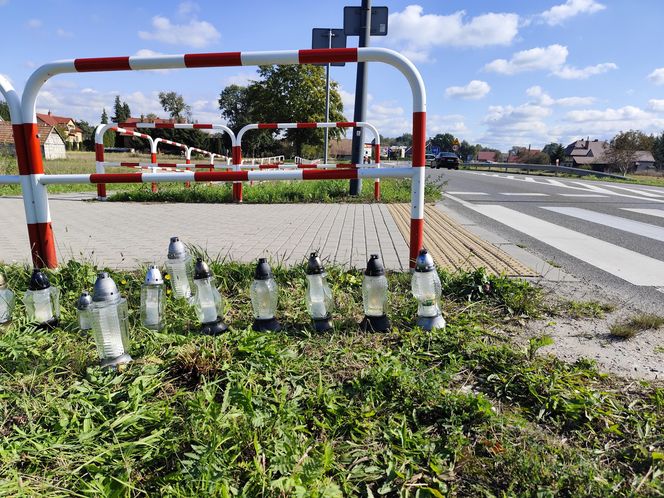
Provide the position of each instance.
(105, 311)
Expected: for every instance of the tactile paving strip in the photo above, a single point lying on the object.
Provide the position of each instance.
(453, 247)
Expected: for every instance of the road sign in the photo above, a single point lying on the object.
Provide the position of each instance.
(320, 38)
(353, 21)
(455, 147)
(456, 142)
(435, 149)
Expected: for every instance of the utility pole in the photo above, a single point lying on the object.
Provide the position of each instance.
(360, 96)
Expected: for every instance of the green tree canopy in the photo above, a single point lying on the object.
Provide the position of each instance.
(283, 94)
(554, 151)
(173, 103)
(4, 111)
(121, 109)
(623, 148)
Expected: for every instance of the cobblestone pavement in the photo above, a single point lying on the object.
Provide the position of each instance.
(124, 235)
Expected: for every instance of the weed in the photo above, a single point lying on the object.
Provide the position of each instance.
(585, 309)
(458, 411)
(636, 324)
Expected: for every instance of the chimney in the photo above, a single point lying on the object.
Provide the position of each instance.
(587, 142)
(49, 112)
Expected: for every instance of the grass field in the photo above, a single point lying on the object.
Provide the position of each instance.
(260, 192)
(459, 412)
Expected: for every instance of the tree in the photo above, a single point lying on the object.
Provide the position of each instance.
(104, 117)
(658, 151)
(4, 111)
(173, 103)
(88, 132)
(555, 151)
(444, 140)
(121, 109)
(624, 147)
(282, 94)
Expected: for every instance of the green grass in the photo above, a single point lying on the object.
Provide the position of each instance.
(584, 309)
(460, 412)
(277, 192)
(260, 192)
(636, 324)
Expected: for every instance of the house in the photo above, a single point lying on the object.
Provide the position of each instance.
(644, 161)
(587, 154)
(66, 126)
(342, 148)
(52, 144)
(521, 155)
(487, 156)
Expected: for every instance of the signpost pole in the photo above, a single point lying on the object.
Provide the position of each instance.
(361, 95)
(327, 96)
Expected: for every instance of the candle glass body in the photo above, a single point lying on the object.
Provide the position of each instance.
(42, 305)
(181, 272)
(374, 295)
(264, 298)
(319, 296)
(84, 319)
(427, 290)
(7, 300)
(152, 305)
(207, 300)
(110, 326)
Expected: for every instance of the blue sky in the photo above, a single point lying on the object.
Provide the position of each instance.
(498, 73)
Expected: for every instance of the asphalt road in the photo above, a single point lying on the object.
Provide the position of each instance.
(604, 233)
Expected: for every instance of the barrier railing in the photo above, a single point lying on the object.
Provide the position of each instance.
(237, 151)
(545, 167)
(31, 168)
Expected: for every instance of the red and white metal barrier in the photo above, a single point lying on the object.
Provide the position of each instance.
(37, 216)
(31, 165)
(237, 154)
(100, 164)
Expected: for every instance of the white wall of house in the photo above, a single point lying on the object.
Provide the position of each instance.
(54, 147)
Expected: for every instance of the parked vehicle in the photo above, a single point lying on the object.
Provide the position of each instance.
(428, 159)
(447, 160)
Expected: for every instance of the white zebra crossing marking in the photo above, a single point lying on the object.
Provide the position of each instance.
(630, 266)
(651, 212)
(525, 194)
(624, 224)
(582, 195)
(467, 193)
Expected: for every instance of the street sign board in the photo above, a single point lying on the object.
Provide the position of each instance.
(455, 147)
(320, 38)
(435, 149)
(353, 21)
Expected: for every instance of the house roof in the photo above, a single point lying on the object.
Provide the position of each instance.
(591, 148)
(644, 156)
(145, 120)
(51, 119)
(7, 135)
(486, 155)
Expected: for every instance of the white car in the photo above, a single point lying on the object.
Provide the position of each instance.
(428, 159)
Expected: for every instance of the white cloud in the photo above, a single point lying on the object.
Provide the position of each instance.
(538, 58)
(542, 98)
(657, 76)
(416, 33)
(656, 105)
(63, 33)
(520, 125)
(34, 23)
(625, 114)
(551, 58)
(194, 34)
(573, 73)
(559, 13)
(474, 90)
(187, 8)
(604, 123)
(242, 79)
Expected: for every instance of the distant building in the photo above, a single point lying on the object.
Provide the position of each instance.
(487, 156)
(52, 144)
(71, 133)
(587, 154)
(342, 148)
(521, 155)
(592, 154)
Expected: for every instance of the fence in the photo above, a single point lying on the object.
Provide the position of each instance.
(237, 154)
(545, 167)
(34, 181)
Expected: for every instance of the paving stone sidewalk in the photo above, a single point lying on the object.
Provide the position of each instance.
(124, 235)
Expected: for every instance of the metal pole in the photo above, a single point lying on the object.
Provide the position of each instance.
(361, 97)
(327, 96)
